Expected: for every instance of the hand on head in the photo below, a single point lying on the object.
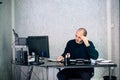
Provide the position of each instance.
(85, 40)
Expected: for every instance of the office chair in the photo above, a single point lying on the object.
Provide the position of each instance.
(92, 74)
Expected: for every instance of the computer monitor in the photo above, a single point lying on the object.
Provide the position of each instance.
(39, 45)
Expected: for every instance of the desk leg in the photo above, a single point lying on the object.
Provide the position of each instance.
(17, 72)
(43, 73)
(110, 73)
(47, 73)
(30, 69)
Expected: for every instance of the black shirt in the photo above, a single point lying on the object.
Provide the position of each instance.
(80, 50)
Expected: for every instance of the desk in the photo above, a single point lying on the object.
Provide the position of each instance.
(61, 65)
(48, 64)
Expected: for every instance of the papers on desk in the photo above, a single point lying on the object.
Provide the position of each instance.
(31, 59)
(106, 61)
(103, 61)
(80, 62)
(52, 60)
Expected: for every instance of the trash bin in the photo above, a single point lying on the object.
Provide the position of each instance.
(112, 78)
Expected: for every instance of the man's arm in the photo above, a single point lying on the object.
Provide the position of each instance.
(91, 48)
(92, 51)
(60, 58)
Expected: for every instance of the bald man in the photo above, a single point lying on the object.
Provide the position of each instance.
(78, 48)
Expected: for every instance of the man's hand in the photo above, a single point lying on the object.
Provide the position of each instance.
(60, 58)
(85, 40)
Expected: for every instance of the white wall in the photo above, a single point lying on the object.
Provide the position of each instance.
(59, 19)
(5, 40)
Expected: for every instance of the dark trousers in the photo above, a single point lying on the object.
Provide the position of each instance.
(66, 74)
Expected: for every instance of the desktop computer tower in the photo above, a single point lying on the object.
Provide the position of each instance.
(21, 57)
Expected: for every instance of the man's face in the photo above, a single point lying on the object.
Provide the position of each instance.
(78, 36)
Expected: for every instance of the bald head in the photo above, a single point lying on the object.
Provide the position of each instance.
(79, 34)
(84, 30)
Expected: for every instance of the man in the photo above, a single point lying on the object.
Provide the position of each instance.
(78, 48)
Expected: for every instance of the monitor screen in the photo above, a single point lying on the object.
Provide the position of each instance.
(39, 45)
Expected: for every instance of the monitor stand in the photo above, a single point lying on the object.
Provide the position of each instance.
(37, 63)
